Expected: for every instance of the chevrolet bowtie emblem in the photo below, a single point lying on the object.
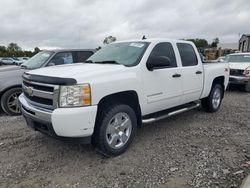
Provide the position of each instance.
(29, 91)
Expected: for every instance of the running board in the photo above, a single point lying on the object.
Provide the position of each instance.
(154, 119)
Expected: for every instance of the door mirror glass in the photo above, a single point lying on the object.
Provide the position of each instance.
(158, 62)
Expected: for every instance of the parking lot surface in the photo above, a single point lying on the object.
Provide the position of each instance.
(194, 149)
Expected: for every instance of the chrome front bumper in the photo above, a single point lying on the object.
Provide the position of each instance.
(238, 79)
(33, 112)
(41, 120)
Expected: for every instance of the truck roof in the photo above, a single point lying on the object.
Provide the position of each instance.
(66, 50)
(155, 40)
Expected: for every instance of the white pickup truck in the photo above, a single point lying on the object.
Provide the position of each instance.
(120, 87)
(239, 64)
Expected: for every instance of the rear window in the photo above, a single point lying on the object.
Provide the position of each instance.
(82, 56)
(188, 55)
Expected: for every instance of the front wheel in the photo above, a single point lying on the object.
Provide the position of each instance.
(116, 130)
(9, 101)
(213, 102)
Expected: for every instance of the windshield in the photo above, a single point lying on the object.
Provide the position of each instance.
(37, 60)
(238, 58)
(125, 53)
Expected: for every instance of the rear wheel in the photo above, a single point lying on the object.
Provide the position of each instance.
(9, 101)
(116, 130)
(213, 101)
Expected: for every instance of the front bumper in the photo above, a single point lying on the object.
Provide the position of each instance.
(242, 80)
(62, 122)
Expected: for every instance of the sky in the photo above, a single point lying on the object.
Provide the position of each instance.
(51, 24)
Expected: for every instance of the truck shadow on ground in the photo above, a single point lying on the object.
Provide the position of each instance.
(235, 88)
(147, 134)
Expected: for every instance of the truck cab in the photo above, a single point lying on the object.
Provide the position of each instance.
(119, 88)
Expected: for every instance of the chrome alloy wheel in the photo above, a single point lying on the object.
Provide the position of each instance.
(118, 130)
(12, 102)
(216, 98)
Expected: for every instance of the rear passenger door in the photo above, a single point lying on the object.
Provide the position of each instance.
(192, 73)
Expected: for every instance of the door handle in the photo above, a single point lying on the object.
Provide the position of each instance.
(198, 72)
(176, 75)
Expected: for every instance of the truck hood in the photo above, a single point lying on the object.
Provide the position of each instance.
(240, 66)
(78, 70)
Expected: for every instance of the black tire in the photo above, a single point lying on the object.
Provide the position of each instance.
(208, 104)
(104, 120)
(7, 97)
(247, 87)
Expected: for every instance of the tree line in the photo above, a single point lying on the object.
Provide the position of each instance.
(199, 43)
(202, 43)
(13, 50)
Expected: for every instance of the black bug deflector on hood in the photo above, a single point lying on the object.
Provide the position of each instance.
(49, 79)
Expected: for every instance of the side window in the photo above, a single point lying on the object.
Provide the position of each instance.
(164, 49)
(188, 55)
(62, 58)
(82, 56)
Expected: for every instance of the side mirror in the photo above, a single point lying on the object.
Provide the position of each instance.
(158, 63)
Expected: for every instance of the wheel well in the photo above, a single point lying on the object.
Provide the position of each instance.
(129, 98)
(219, 80)
(8, 88)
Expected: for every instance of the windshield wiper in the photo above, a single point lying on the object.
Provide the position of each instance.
(88, 61)
(109, 62)
(24, 67)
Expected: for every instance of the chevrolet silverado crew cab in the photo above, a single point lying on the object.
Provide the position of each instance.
(120, 87)
(11, 77)
(239, 64)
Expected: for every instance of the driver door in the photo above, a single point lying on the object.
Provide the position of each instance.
(162, 87)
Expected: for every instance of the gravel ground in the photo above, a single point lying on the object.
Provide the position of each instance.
(194, 149)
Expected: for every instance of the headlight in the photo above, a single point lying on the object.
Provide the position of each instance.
(246, 72)
(75, 95)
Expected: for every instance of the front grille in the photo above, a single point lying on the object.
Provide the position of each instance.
(236, 72)
(40, 94)
(39, 87)
(39, 100)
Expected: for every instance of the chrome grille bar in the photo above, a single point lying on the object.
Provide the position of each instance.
(40, 94)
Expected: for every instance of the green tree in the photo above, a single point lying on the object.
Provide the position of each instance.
(215, 42)
(3, 49)
(109, 40)
(13, 47)
(36, 50)
(199, 43)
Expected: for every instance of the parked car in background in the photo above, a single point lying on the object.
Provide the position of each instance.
(21, 60)
(120, 87)
(239, 64)
(17, 61)
(11, 77)
(221, 59)
(8, 61)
